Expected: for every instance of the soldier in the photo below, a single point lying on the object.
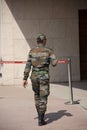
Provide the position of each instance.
(39, 59)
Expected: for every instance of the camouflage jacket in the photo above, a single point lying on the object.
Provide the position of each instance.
(38, 61)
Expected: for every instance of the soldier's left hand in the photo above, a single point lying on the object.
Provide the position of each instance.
(25, 83)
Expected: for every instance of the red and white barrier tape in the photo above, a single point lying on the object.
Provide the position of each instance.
(24, 62)
(62, 61)
(12, 62)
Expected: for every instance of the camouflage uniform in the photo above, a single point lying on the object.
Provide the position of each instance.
(39, 59)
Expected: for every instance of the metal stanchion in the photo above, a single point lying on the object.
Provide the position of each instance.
(70, 80)
(68, 62)
(70, 84)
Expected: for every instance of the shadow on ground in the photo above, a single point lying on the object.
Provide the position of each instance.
(50, 117)
(80, 85)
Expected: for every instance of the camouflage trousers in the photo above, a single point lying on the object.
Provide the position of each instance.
(41, 92)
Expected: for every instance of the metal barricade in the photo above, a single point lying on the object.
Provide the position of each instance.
(66, 61)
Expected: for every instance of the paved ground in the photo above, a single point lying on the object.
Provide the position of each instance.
(17, 111)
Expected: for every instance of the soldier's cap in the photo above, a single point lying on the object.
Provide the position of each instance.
(41, 37)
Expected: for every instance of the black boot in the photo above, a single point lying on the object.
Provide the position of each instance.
(41, 119)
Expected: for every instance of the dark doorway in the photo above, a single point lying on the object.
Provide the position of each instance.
(83, 43)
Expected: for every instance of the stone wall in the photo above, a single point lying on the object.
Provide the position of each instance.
(22, 20)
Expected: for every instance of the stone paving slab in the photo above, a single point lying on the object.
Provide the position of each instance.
(17, 112)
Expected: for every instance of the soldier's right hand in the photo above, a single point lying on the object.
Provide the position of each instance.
(25, 83)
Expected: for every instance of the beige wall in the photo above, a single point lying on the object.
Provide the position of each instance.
(22, 20)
